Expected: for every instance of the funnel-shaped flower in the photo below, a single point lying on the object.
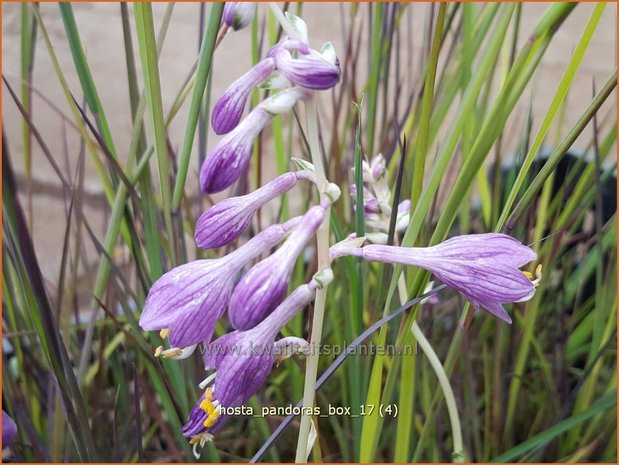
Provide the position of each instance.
(482, 267)
(264, 286)
(226, 220)
(239, 15)
(311, 70)
(189, 299)
(229, 159)
(228, 110)
(9, 429)
(243, 361)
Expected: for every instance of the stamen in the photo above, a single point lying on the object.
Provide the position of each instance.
(208, 394)
(538, 275)
(210, 407)
(172, 353)
(213, 416)
(175, 353)
(535, 278)
(164, 333)
(208, 380)
(199, 440)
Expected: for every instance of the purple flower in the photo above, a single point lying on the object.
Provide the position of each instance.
(228, 110)
(482, 267)
(9, 429)
(186, 302)
(264, 286)
(371, 206)
(311, 70)
(229, 159)
(226, 220)
(225, 164)
(243, 361)
(238, 15)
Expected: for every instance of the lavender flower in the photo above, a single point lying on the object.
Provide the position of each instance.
(243, 361)
(239, 15)
(264, 286)
(226, 220)
(225, 164)
(482, 267)
(186, 302)
(228, 110)
(9, 429)
(311, 70)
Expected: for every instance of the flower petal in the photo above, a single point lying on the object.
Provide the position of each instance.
(229, 159)
(228, 110)
(239, 15)
(225, 221)
(9, 429)
(311, 71)
(490, 247)
(189, 300)
(264, 286)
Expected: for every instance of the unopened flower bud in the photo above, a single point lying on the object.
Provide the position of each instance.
(239, 15)
(311, 71)
(226, 220)
(228, 110)
(264, 286)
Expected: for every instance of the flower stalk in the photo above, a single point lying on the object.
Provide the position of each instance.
(324, 259)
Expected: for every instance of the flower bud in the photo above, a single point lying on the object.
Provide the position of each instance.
(378, 166)
(311, 71)
(229, 159)
(228, 110)
(264, 286)
(225, 221)
(239, 15)
(188, 300)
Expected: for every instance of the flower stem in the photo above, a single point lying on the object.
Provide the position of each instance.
(322, 239)
(324, 259)
(435, 363)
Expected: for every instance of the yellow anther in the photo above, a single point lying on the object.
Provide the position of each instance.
(158, 351)
(164, 333)
(538, 271)
(210, 409)
(212, 418)
(534, 277)
(208, 394)
(204, 404)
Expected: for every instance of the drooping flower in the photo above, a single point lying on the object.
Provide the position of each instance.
(484, 268)
(311, 70)
(243, 361)
(239, 15)
(229, 159)
(264, 286)
(228, 110)
(9, 429)
(226, 220)
(186, 302)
